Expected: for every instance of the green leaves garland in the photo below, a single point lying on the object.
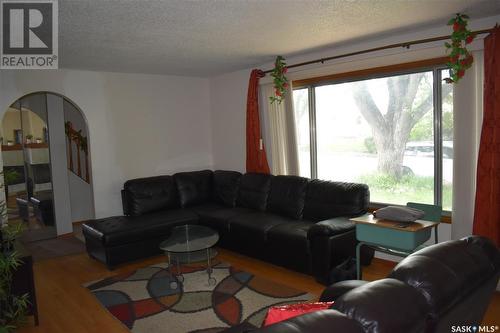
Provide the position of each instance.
(279, 79)
(76, 136)
(460, 58)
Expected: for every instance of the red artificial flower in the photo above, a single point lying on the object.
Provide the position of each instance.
(454, 58)
(278, 93)
(285, 69)
(285, 85)
(469, 39)
(461, 73)
(456, 26)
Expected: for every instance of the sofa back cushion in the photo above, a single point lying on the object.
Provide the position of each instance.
(386, 305)
(326, 199)
(254, 190)
(194, 187)
(446, 273)
(146, 195)
(287, 196)
(225, 187)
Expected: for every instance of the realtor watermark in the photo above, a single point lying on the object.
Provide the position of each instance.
(29, 34)
(474, 328)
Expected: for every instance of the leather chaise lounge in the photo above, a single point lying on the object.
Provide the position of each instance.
(290, 221)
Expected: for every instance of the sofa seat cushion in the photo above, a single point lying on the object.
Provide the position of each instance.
(206, 207)
(331, 227)
(287, 245)
(194, 187)
(255, 226)
(292, 236)
(218, 216)
(119, 230)
(146, 195)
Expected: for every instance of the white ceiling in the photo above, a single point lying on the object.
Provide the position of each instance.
(208, 37)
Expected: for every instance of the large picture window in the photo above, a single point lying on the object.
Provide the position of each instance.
(393, 132)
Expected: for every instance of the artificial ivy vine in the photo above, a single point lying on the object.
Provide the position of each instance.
(76, 136)
(279, 79)
(460, 58)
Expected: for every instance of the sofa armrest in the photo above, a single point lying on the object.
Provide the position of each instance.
(338, 289)
(324, 321)
(125, 202)
(330, 227)
(332, 241)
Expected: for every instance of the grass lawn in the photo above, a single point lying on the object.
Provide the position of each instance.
(386, 189)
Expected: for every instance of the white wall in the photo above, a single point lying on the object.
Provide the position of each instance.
(81, 199)
(228, 91)
(228, 97)
(139, 125)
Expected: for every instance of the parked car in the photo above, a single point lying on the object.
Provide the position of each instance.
(419, 159)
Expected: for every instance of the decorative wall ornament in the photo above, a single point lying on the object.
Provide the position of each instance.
(279, 79)
(81, 144)
(460, 58)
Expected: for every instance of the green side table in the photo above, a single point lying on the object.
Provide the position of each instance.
(396, 238)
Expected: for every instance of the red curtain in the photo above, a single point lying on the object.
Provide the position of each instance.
(256, 154)
(487, 206)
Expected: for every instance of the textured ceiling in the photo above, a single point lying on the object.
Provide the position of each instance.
(208, 37)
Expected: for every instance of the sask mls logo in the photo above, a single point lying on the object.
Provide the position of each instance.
(29, 34)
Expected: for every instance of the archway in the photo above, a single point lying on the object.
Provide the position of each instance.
(46, 165)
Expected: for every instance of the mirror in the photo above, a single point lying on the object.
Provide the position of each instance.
(26, 167)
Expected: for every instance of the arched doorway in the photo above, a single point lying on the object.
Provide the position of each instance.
(46, 165)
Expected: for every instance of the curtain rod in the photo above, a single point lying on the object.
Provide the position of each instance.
(391, 46)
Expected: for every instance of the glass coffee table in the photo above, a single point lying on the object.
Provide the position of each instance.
(186, 241)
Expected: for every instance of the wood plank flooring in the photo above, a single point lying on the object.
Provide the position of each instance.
(67, 307)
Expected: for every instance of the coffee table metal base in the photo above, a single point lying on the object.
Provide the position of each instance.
(178, 277)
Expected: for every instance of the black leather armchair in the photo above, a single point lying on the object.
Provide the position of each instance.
(443, 285)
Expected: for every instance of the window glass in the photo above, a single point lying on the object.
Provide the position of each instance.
(301, 110)
(379, 132)
(447, 133)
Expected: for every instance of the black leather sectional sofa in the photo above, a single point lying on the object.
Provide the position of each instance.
(290, 221)
(442, 288)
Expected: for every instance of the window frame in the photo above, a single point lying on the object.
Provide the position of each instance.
(435, 66)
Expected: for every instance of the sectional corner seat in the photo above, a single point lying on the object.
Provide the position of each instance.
(290, 221)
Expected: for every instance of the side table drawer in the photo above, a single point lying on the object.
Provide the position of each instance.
(392, 238)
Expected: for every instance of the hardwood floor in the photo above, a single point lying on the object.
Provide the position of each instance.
(65, 306)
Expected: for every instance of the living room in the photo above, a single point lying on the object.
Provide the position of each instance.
(167, 89)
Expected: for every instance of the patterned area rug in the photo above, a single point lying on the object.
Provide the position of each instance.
(144, 302)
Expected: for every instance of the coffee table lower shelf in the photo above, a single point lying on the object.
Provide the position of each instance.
(189, 257)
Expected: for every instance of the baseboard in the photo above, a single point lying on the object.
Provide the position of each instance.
(76, 223)
(388, 257)
(68, 235)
